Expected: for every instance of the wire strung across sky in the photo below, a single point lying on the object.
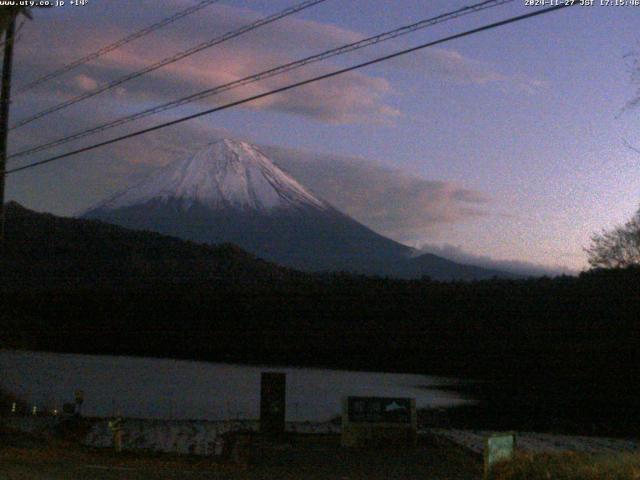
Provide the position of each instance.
(295, 85)
(174, 58)
(267, 74)
(119, 43)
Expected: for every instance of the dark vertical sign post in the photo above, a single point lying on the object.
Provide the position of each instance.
(79, 394)
(273, 388)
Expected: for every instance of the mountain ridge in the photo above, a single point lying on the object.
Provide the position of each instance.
(231, 192)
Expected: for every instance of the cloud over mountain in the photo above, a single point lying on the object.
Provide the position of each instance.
(518, 267)
(395, 203)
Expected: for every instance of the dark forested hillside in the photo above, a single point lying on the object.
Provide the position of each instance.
(43, 250)
(547, 349)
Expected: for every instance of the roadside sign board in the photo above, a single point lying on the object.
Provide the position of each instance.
(272, 402)
(379, 410)
(378, 421)
(498, 447)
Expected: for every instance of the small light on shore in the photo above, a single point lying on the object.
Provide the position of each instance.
(34, 410)
(14, 407)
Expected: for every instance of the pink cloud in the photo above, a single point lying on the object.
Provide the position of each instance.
(354, 98)
(85, 82)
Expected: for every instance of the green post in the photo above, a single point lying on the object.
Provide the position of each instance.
(498, 447)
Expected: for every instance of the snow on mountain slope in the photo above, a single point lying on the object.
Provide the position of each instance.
(231, 193)
(226, 174)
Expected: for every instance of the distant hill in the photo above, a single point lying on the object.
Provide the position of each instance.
(44, 250)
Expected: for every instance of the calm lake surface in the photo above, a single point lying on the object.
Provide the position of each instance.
(180, 389)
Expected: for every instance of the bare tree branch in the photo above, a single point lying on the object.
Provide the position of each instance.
(617, 248)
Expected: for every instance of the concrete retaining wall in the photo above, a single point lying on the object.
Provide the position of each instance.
(196, 437)
(185, 436)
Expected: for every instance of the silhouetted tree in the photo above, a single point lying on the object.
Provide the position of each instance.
(617, 248)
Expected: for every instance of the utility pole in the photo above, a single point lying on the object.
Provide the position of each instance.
(5, 94)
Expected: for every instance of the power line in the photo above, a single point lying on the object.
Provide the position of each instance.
(267, 74)
(295, 85)
(174, 58)
(117, 44)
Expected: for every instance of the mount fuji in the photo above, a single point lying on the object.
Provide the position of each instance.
(231, 192)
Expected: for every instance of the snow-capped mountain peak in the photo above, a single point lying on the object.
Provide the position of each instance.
(231, 192)
(226, 174)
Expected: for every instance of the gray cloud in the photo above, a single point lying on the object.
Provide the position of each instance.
(449, 64)
(392, 202)
(518, 267)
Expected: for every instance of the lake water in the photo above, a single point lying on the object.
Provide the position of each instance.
(179, 389)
